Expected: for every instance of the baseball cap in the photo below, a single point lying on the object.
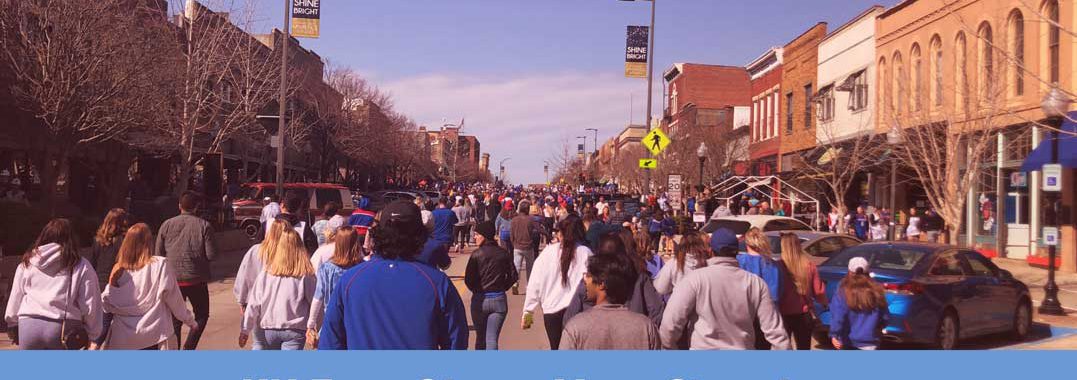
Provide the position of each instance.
(723, 238)
(401, 211)
(858, 264)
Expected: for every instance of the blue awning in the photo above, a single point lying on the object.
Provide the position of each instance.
(1067, 148)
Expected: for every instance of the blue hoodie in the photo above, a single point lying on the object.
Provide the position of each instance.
(856, 328)
(768, 269)
(444, 220)
(394, 305)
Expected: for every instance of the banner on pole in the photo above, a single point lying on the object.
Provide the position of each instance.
(636, 52)
(306, 18)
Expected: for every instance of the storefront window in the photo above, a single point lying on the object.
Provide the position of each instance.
(1017, 207)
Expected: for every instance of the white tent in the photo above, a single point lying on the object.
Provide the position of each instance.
(728, 190)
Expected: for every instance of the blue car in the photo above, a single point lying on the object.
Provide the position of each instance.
(937, 294)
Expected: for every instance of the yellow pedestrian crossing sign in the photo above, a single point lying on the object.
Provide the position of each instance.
(655, 141)
(648, 163)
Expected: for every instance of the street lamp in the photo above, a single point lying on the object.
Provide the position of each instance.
(546, 171)
(650, 75)
(894, 138)
(502, 165)
(701, 152)
(1054, 106)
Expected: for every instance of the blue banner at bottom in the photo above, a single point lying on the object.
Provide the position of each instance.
(533, 365)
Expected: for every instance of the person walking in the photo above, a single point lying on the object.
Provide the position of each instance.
(106, 244)
(280, 301)
(804, 289)
(326, 250)
(757, 260)
(912, 232)
(688, 256)
(328, 222)
(252, 265)
(293, 212)
(722, 304)
(558, 271)
(427, 215)
(188, 243)
(489, 274)
(269, 212)
(142, 296)
(361, 217)
(55, 301)
(503, 225)
(348, 252)
(859, 311)
(445, 221)
(522, 234)
(643, 298)
(391, 301)
(462, 228)
(610, 325)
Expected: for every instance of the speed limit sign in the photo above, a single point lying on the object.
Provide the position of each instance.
(674, 184)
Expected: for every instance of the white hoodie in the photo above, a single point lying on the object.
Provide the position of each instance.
(544, 285)
(143, 303)
(41, 290)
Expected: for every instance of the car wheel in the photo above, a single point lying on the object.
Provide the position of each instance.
(1022, 321)
(946, 338)
(251, 229)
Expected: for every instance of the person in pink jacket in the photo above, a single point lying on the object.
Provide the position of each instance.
(54, 291)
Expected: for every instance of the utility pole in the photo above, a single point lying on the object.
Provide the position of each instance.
(283, 101)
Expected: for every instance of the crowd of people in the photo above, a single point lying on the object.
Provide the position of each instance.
(602, 277)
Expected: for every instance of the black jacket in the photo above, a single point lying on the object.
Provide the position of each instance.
(490, 270)
(103, 259)
(310, 241)
(492, 210)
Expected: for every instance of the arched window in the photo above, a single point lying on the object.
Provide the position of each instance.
(986, 56)
(1017, 51)
(899, 84)
(936, 70)
(916, 61)
(672, 100)
(961, 84)
(884, 88)
(1054, 37)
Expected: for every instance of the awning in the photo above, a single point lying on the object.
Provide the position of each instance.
(1067, 147)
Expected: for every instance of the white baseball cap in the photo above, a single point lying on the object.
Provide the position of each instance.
(858, 264)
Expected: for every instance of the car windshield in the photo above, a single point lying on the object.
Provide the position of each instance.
(881, 256)
(252, 192)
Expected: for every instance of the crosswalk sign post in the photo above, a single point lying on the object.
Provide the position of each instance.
(648, 163)
(655, 141)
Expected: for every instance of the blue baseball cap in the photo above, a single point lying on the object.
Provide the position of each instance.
(723, 238)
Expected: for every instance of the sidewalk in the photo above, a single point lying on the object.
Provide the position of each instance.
(1033, 276)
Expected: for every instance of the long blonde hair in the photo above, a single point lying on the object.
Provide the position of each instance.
(757, 241)
(269, 245)
(796, 261)
(112, 228)
(290, 258)
(135, 253)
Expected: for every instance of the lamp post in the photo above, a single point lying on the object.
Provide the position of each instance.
(701, 153)
(893, 138)
(1054, 106)
(546, 171)
(650, 77)
(502, 168)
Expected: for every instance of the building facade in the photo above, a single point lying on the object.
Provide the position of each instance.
(765, 74)
(695, 89)
(846, 78)
(946, 60)
(799, 74)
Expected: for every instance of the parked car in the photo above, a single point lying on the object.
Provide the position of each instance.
(740, 224)
(248, 205)
(937, 294)
(379, 199)
(819, 245)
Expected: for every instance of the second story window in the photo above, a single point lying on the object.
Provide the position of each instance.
(858, 94)
(825, 100)
(789, 113)
(807, 105)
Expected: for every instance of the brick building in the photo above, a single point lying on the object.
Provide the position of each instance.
(697, 91)
(799, 71)
(765, 73)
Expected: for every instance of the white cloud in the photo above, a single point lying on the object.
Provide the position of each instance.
(527, 117)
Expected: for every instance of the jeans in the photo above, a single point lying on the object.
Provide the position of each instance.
(286, 340)
(460, 235)
(554, 324)
(799, 328)
(488, 315)
(199, 297)
(524, 259)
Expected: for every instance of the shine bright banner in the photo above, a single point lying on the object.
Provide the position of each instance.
(306, 18)
(636, 52)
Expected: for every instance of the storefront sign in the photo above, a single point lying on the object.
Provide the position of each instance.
(306, 18)
(636, 52)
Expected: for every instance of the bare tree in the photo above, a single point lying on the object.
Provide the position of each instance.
(80, 68)
(839, 158)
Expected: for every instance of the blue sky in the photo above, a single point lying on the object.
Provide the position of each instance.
(530, 75)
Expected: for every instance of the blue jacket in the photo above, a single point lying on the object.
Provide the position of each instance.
(444, 220)
(435, 253)
(856, 328)
(394, 305)
(771, 272)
